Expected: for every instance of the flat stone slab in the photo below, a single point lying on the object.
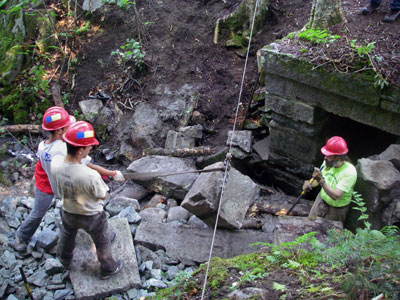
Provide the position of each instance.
(288, 229)
(85, 267)
(192, 244)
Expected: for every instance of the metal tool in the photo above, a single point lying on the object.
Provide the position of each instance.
(26, 283)
(301, 195)
(138, 176)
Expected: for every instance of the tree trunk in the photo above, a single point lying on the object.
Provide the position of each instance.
(20, 128)
(326, 13)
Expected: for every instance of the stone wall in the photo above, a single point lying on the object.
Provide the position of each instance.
(302, 98)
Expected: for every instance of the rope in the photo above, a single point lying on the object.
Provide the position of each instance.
(229, 155)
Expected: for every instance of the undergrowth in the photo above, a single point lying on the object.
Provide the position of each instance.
(345, 265)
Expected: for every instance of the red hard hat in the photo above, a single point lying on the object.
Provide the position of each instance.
(335, 146)
(55, 118)
(81, 134)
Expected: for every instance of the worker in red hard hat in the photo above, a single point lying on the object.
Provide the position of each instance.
(83, 192)
(55, 121)
(337, 177)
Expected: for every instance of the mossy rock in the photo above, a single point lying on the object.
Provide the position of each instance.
(41, 28)
(235, 28)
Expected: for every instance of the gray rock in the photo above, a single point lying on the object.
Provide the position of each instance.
(289, 228)
(39, 278)
(132, 293)
(156, 274)
(155, 283)
(392, 154)
(175, 186)
(53, 266)
(85, 267)
(148, 255)
(130, 214)
(204, 196)
(8, 260)
(247, 293)
(8, 205)
(172, 272)
(92, 5)
(194, 221)
(62, 294)
(39, 293)
(91, 106)
(27, 202)
(381, 174)
(241, 138)
(153, 214)
(177, 213)
(130, 190)
(195, 131)
(12, 297)
(262, 148)
(47, 238)
(176, 140)
(192, 245)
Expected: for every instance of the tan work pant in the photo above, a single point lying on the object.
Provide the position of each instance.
(321, 209)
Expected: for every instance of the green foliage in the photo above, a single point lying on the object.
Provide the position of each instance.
(360, 206)
(317, 36)
(362, 51)
(85, 28)
(371, 258)
(124, 4)
(130, 51)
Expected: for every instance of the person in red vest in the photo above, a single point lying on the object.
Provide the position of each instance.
(55, 121)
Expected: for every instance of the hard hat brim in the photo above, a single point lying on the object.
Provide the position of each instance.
(328, 153)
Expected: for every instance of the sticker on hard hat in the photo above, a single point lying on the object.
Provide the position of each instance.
(53, 118)
(84, 134)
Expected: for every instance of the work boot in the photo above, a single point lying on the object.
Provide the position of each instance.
(106, 275)
(369, 9)
(112, 236)
(391, 16)
(66, 263)
(19, 244)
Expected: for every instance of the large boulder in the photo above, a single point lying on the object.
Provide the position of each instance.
(85, 267)
(192, 244)
(175, 186)
(205, 195)
(287, 228)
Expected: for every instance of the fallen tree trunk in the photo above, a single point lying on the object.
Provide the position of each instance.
(183, 152)
(253, 224)
(20, 128)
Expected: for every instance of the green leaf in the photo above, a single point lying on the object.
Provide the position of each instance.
(279, 287)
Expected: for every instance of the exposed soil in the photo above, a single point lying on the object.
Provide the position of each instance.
(177, 37)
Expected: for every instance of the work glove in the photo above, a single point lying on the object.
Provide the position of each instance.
(317, 175)
(118, 177)
(308, 185)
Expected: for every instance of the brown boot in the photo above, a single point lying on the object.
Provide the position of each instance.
(391, 16)
(20, 245)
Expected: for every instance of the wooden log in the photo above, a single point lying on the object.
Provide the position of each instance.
(252, 224)
(20, 128)
(56, 93)
(183, 152)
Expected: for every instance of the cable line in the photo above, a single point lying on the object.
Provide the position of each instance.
(229, 155)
